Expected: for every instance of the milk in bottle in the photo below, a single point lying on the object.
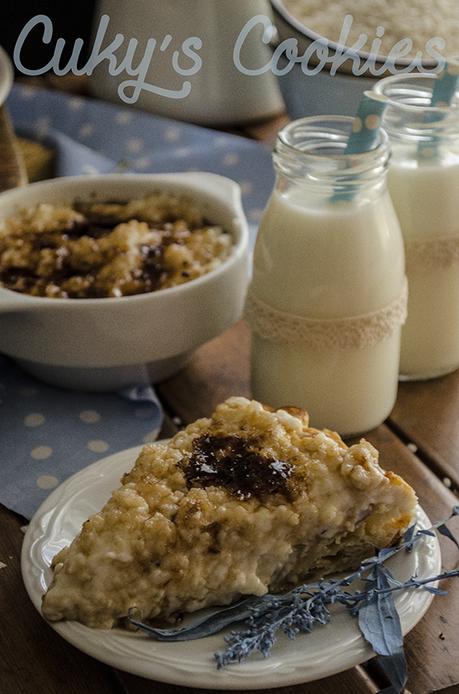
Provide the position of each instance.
(328, 291)
(423, 181)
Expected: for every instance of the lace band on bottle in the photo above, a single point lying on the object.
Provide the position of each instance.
(431, 253)
(317, 334)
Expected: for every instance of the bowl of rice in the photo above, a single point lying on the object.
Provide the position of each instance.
(327, 54)
(113, 279)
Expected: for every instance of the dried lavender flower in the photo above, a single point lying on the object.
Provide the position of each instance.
(302, 608)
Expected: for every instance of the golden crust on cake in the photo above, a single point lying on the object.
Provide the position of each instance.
(249, 501)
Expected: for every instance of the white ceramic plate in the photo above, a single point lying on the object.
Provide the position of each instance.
(327, 650)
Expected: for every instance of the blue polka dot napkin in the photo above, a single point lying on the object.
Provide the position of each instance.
(94, 136)
(47, 433)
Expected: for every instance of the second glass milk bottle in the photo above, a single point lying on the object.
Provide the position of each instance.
(328, 292)
(423, 181)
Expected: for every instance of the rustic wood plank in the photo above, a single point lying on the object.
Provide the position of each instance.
(435, 639)
(216, 371)
(427, 414)
(33, 657)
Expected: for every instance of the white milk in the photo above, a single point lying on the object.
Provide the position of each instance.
(325, 260)
(426, 198)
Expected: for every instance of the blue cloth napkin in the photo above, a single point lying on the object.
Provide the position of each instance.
(48, 433)
(96, 136)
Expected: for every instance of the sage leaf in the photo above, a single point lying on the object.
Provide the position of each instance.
(444, 530)
(378, 618)
(396, 670)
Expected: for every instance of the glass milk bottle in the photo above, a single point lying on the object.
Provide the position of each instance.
(328, 292)
(423, 181)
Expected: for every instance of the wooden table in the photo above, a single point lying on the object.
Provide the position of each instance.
(420, 441)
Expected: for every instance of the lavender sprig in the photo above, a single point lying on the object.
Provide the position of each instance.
(302, 608)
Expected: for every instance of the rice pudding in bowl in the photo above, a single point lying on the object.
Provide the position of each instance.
(163, 292)
(88, 250)
(380, 39)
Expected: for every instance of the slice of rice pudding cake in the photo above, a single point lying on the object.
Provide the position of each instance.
(249, 501)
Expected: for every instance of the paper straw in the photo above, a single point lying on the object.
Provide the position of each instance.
(366, 124)
(364, 134)
(445, 86)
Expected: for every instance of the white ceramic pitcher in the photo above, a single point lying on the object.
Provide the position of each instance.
(188, 51)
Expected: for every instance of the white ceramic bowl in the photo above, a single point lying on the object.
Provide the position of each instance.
(104, 344)
(324, 93)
